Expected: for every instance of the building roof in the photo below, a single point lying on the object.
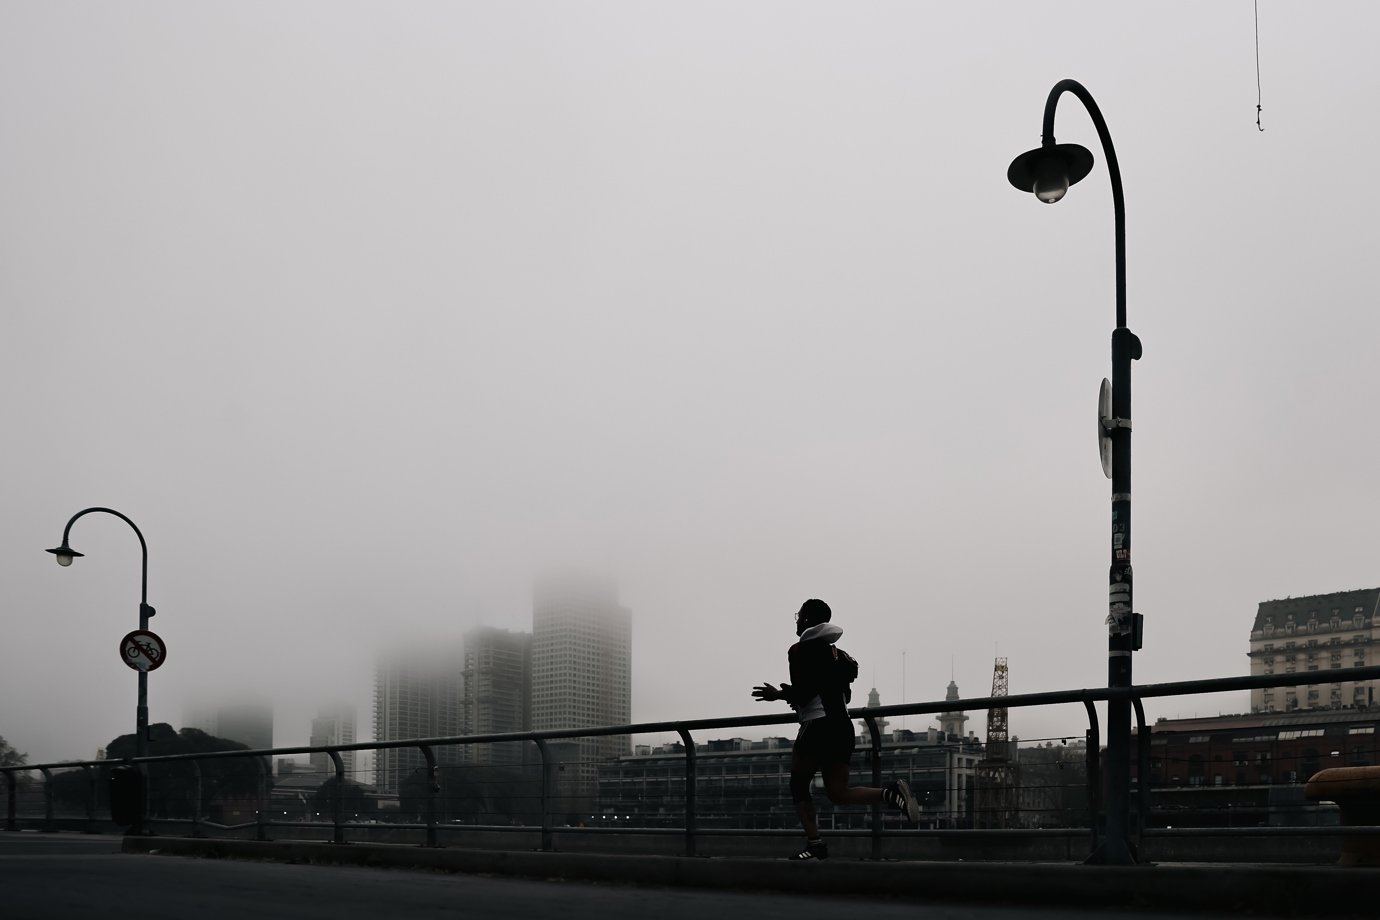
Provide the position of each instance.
(1317, 606)
(1267, 720)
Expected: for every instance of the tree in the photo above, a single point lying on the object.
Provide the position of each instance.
(172, 785)
(356, 803)
(9, 757)
(475, 794)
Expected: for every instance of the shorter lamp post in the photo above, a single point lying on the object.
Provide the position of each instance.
(65, 554)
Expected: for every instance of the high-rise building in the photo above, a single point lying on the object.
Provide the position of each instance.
(334, 724)
(248, 722)
(497, 692)
(1321, 632)
(418, 693)
(582, 670)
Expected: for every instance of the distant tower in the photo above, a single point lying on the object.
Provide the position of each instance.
(248, 722)
(498, 699)
(582, 670)
(997, 772)
(874, 699)
(951, 723)
(418, 693)
(334, 724)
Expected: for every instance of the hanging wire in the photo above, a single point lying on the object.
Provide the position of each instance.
(1258, 98)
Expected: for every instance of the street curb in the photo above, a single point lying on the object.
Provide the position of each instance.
(1313, 891)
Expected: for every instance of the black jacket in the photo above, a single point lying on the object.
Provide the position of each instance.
(814, 673)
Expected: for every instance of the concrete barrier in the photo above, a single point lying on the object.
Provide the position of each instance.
(1317, 891)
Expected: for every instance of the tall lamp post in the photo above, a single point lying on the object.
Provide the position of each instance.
(1048, 171)
(65, 554)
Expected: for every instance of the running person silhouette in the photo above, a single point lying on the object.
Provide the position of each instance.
(819, 694)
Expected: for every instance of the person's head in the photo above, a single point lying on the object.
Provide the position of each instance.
(811, 613)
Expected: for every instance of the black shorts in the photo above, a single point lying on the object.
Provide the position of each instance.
(826, 741)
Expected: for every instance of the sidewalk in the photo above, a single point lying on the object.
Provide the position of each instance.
(1264, 890)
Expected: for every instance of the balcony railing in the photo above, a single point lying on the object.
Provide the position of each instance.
(185, 775)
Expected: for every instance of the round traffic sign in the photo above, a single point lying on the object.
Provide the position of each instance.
(142, 650)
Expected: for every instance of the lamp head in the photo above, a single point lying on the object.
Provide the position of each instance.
(65, 554)
(1050, 169)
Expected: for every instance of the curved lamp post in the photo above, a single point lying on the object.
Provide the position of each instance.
(1048, 171)
(65, 554)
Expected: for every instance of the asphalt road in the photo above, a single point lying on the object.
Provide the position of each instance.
(54, 877)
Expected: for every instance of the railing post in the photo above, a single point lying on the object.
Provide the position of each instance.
(90, 799)
(47, 798)
(691, 784)
(196, 798)
(1093, 743)
(433, 786)
(265, 782)
(1142, 775)
(338, 803)
(142, 827)
(12, 801)
(546, 835)
(875, 736)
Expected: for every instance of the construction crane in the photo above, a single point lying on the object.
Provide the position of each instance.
(997, 771)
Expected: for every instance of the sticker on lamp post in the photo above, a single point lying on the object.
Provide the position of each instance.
(142, 650)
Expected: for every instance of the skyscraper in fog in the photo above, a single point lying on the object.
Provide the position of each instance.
(418, 693)
(335, 724)
(497, 692)
(248, 722)
(582, 665)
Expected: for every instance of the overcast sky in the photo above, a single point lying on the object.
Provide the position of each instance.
(368, 312)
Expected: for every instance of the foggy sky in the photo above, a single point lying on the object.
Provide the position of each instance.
(368, 313)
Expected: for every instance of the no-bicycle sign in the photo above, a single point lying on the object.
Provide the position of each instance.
(142, 650)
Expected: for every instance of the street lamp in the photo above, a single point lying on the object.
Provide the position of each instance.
(1048, 171)
(65, 554)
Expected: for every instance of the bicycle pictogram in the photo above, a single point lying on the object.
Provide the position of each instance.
(142, 650)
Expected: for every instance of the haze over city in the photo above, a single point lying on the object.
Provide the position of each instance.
(369, 314)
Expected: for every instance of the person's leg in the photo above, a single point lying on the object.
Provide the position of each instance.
(840, 793)
(802, 773)
(897, 794)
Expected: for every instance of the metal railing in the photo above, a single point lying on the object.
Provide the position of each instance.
(691, 829)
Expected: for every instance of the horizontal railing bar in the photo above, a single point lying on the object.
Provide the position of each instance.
(1326, 830)
(1060, 697)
